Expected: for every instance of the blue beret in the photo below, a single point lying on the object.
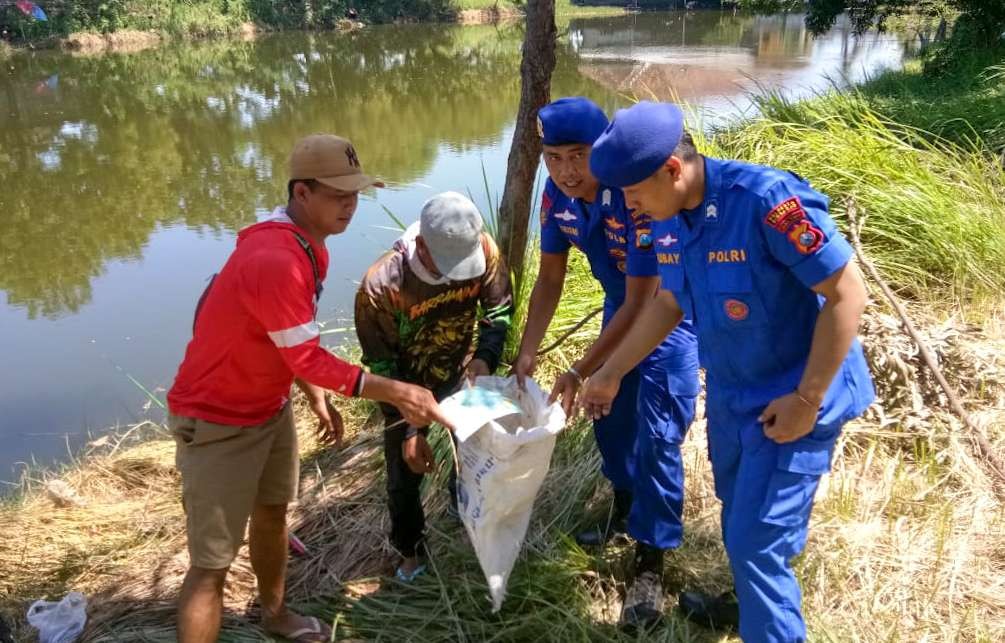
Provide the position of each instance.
(637, 142)
(571, 120)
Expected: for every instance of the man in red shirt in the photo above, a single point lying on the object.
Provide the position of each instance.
(255, 334)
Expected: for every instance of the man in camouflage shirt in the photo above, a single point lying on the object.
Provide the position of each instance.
(416, 313)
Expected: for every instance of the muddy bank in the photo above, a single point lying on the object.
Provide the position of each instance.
(488, 16)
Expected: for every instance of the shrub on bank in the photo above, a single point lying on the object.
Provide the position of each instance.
(196, 18)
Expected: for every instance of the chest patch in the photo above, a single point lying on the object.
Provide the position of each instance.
(736, 309)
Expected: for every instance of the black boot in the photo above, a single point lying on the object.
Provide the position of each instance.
(643, 606)
(717, 612)
(453, 512)
(616, 529)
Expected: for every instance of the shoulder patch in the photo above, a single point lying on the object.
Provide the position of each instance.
(790, 219)
(643, 238)
(786, 214)
(806, 237)
(546, 203)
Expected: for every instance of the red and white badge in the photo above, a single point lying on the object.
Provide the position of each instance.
(736, 309)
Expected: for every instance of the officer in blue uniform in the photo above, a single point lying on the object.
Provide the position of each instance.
(751, 256)
(640, 441)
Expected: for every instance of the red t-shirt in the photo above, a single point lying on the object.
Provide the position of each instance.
(256, 331)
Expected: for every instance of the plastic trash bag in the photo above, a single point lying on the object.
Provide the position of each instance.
(60, 622)
(506, 437)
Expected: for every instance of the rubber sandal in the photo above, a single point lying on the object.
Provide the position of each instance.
(312, 634)
(408, 578)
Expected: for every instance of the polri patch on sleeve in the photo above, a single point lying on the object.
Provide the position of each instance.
(643, 239)
(545, 208)
(806, 237)
(786, 214)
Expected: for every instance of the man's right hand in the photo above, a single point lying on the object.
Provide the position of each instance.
(566, 388)
(523, 367)
(418, 406)
(418, 454)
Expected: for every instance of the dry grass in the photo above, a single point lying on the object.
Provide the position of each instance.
(123, 41)
(906, 543)
(487, 16)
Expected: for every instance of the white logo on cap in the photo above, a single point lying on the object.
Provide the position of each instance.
(565, 216)
(606, 197)
(540, 127)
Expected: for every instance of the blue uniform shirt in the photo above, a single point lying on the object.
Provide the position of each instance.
(617, 244)
(741, 265)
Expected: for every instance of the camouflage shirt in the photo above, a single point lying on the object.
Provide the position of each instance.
(418, 329)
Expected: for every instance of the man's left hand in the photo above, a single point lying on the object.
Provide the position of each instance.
(476, 368)
(330, 426)
(599, 393)
(788, 418)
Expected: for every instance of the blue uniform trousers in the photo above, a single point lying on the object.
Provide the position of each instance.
(767, 493)
(640, 443)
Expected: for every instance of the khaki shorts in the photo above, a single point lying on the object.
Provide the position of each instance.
(225, 472)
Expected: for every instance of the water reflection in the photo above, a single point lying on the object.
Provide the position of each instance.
(698, 56)
(200, 135)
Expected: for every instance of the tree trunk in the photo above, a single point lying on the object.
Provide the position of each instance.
(535, 91)
(940, 32)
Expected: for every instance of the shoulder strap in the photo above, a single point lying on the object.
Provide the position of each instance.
(306, 245)
(202, 300)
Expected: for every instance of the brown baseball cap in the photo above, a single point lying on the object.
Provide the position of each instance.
(330, 160)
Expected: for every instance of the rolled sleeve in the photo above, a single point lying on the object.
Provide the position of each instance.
(831, 257)
(800, 232)
(641, 253)
(552, 238)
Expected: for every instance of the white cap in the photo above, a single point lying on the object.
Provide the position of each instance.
(451, 227)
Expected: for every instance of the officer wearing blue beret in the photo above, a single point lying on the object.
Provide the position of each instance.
(750, 254)
(640, 441)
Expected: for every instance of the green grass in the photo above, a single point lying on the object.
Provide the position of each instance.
(935, 208)
(922, 151)
(961, 100)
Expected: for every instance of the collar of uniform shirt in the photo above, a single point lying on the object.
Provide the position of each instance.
(713, 185)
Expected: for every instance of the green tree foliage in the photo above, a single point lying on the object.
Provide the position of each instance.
(207, 17)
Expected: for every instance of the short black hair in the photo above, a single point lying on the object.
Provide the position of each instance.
(686, 149)
(310, 183)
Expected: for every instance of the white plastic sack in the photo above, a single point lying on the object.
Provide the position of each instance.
(506, 438)
(60, 622)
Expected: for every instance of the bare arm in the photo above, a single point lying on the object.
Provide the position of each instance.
(660, 316)
(313, 393)
(639, 291)
(543, 303)
(792, 416)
